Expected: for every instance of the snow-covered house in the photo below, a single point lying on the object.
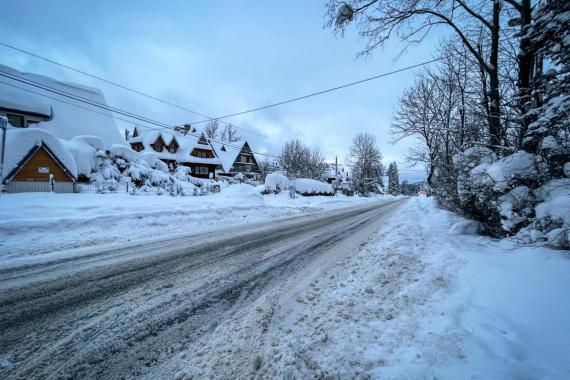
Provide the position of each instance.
(236, 157)
(32, 100)
(36, 160)
(52, 133)
(178, 149)
(338, 175)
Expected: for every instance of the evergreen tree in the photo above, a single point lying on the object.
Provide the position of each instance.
(393, 180)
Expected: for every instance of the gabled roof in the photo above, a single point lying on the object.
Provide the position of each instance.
(228, 154)
(20, 141)
(186, 144)
(30, 154)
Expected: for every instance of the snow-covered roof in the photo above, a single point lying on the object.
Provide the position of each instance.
(70, 117)
(187, 143)
(20, 141)
(14, 99)
(228, 154)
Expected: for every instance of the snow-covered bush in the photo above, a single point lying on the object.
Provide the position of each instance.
(275, 182)
(497, 191)
(552, 214)
(106, 176)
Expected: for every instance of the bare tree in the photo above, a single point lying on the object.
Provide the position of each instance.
(317, 164)
(230, 134)
(294, 158)
(302, 162)
(412, 20)
(364, 159)
(212, 128)
(415, 117)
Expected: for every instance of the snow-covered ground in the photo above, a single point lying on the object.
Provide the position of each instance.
(416, 301)
(41, 223)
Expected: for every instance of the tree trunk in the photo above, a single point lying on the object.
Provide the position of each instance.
(525, 63)
(493, 69)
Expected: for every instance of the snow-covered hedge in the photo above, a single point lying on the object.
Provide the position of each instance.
(306, 186)
(277, 181)
(513, 195)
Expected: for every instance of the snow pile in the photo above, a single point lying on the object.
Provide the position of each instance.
(19, 142)
(467, 227)
(275, 182)
(306, 186)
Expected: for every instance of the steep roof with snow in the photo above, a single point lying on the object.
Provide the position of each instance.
(186, 144)
(20, 141)
(228, 153)
(70, 117)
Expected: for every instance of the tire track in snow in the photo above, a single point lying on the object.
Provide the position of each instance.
(120, 319)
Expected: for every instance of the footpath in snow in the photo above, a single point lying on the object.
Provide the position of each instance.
(416, 301)
(32, 224)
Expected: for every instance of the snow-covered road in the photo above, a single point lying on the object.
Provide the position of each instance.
(129, 311)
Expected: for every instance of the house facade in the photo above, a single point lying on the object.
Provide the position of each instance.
(36, 160)
(188, 150)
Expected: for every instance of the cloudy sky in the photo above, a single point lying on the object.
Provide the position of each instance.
(219, 57)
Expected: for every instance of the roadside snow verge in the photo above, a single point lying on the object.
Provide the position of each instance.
(419, 302)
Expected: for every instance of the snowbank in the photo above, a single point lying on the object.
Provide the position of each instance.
(33, 224)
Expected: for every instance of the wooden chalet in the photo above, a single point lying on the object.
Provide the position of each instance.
(237, 157)
(39, 169)
(188, 150)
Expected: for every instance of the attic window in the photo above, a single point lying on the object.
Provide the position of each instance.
(172, 149)
(223, 148)
(16, 120)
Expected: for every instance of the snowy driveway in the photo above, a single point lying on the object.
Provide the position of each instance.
(128, 311)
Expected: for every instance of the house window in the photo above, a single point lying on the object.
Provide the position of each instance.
(157, 147)
(172, 149)
(202, 170)
(16, 120)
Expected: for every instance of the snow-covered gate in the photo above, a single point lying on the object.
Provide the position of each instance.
(38, 186)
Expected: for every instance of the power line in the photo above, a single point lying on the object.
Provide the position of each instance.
(321, 92)
(126, 88)
(111, 109)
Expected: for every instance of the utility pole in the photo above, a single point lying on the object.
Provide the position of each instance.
(4, 126)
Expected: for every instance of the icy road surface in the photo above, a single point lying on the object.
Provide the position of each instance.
(127, 312)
